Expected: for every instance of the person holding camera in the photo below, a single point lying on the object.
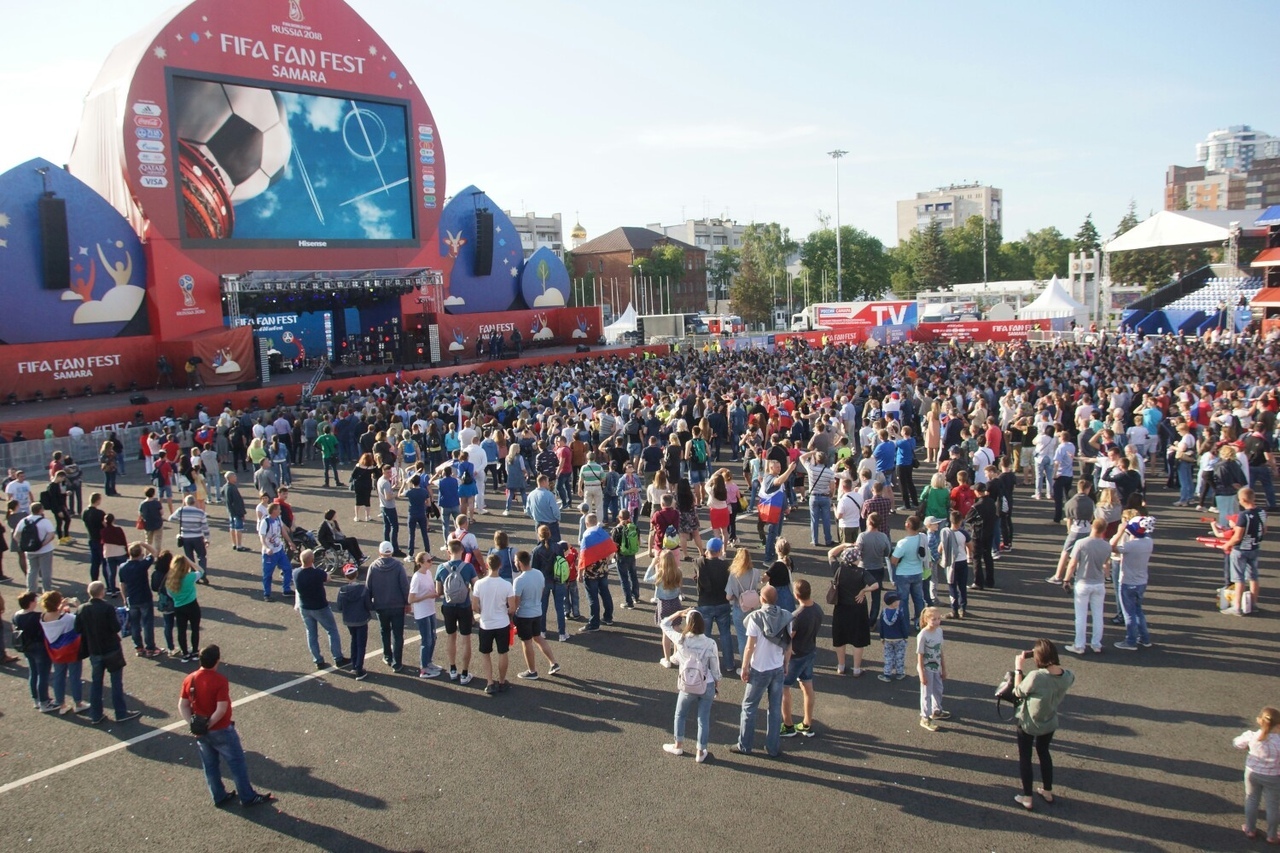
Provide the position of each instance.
(206, 707)
(1039, 693)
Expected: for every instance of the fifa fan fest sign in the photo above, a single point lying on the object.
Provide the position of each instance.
(263, 135)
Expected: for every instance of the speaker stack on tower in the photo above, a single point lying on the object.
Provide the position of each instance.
(484, 243)
(55, 251)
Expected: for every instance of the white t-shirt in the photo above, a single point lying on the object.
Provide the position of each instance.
(419, 584)
(477, 457)
(20, 491)
(492, 593)
(848, 510)
(767, 654)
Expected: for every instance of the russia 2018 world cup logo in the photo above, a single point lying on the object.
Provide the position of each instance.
(188, 286)
(295, 11)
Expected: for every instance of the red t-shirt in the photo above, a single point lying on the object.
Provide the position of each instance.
(962, 499)
(994, 439)
(204, 689)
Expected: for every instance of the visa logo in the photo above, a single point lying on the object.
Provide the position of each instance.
(153, 182)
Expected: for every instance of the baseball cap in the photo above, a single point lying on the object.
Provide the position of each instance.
(385, 548)
(715, 544)
(350, 570)
(955, 448)
(932, 521)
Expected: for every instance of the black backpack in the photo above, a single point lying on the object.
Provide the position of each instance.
(30, 540)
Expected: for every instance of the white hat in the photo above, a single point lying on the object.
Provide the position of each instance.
(385, 548)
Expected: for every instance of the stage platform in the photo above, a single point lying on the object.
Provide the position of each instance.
(103, 411)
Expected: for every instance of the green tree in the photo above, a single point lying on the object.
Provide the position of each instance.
(1087, 239)
(965, 247)
(930, 259)
(864, 264)
(1015, 262)
(721, 268)
(1050, 249)
(751, 291)
(665, 269)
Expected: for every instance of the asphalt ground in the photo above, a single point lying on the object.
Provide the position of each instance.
(1143, 759)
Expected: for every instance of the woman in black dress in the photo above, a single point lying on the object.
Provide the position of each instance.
(850, 622)
(362, 477)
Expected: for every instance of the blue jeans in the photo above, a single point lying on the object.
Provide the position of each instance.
(110, 565)
(447, 515)
(196, 552)
(959, 587)
(511, 493)
(911, 588)
(611, 507)
(427, 632)
(270, 562)
(286, 472)
(759, 683)
(142, 619)
(96, 560)
(391, 621)
(1134, 619)
(561, 593)
(110, 481)
(820, 513)
(1262, 474)
(721, 616)
(359, 640)
(1186, 482)
(322, 618)
(771, 534)
(739, 627)
(224, 745)
(688, 701)
(97, 672)
(332, 463)
(563, 482)
(571, 598)
(391, 526)
(1044, 477)
(1227, 506)
(598, 597)
(67, 675)
(418, 522)
(627, 577)
(38, 667)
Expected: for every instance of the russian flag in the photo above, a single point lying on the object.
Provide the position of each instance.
(769, 506)
(597, 545)
(65, 649)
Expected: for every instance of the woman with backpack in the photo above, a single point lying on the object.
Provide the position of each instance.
(743, 592)
(1041, 691)
(164, 601)
(850, 624)
(699, 667)
(664, 574)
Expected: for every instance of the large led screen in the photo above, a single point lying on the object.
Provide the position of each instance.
(271, 167)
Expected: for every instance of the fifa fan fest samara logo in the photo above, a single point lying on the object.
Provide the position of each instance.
(187, 285)
(295, 11)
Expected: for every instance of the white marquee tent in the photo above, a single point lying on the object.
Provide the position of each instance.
(1053, 301)
(626, 322)
(1184, 228)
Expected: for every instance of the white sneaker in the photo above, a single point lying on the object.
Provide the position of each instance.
(701, 756)
(506, 512)
(672, 749)
(564, 638)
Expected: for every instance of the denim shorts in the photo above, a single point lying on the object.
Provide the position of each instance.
(800, 669)
(236, 523)
(1244, 566)
(697, 475)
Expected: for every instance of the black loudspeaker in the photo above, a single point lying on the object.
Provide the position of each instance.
(484, 243)
(55, 252)
(583, 348)
(640, 330)
(137, 399)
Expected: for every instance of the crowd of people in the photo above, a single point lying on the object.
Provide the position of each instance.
(688, 467)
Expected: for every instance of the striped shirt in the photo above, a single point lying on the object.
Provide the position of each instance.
(193, 522)
(1264, 753)
(820, 478)
(591, 476)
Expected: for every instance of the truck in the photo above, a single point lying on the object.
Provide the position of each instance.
(842, 316)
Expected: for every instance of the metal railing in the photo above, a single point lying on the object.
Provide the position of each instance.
(34, 454)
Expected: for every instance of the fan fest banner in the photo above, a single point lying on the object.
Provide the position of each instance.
(73, 365)
(552, 327)
(984, 330)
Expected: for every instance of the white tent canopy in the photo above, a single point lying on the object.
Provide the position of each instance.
(1053, 301)
(626, 322)
(1182, 228)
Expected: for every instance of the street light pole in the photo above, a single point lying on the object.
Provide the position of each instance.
(836, 155)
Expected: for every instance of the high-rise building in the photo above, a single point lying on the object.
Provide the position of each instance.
(950, 206)
(1262, 183)
(539, 231)
(1233, 149)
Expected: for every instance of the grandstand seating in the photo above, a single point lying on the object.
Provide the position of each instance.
(1215, 292)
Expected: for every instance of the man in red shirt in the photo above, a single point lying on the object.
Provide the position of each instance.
(666, 516)
(206, 693)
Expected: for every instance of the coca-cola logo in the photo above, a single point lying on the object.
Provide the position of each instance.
(146, 121)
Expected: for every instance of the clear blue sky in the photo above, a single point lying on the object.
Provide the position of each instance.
(655, 112)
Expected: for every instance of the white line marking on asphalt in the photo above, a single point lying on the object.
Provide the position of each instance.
(125, 744)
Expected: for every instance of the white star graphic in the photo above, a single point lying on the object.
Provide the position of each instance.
(4, 220)
(506, 261)
(208, 34)
(160, 53)
(399, 85)
(497, 229)
(514, 272)
(4, 244)
(373, 50)
(84, 250)
(178, 36)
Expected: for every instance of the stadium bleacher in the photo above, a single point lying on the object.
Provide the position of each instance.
(1215, 292)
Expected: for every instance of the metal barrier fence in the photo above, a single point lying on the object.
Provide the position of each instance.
(34, 454)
